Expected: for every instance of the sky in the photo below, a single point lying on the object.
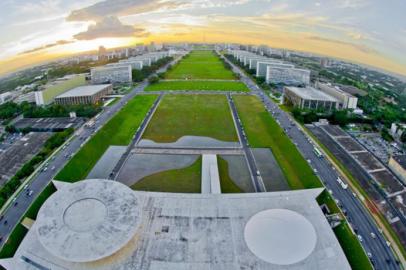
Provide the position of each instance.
(371, 32)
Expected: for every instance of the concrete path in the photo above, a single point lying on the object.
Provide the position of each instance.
(187, 151)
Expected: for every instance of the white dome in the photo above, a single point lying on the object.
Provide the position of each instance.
(280, 236)
(88, 220)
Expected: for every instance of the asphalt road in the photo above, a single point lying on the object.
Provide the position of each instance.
(256, 178)
(136, 138)
(13, 214)
(357, 214)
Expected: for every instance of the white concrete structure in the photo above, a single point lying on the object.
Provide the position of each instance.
(210, 175)
(346, 100)
(254, 60)
(111, 74)
(89, 94)
(262, 67)
(135, 64)
(309, 98)
(4, 97)
(103, 225)
(279, 74)
(280, 236)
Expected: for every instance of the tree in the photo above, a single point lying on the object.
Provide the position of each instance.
(153, 79)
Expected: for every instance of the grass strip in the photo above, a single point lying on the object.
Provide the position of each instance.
(186, 180)
(118, 131)
(264, 132)
(198, 86)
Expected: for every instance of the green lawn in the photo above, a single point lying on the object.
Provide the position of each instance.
(118, 131)
(200, 65)
(352, 248)
(186, 180)
(226, 183)
(194, 115)
(198, 85)
(263, 131)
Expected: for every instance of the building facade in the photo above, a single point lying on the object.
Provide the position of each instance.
(111, 74)
(287, 75)
(262, 66)
(308, 98)
(90, 94)
(347, 101)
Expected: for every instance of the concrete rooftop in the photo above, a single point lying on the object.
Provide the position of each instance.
(181, 231)
(88, 90)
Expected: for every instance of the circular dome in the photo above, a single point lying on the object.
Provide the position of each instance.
(88, 220)
(280, 236)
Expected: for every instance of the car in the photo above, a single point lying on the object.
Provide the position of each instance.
(373, 235)
(369, 254)
(360, 238)
(30, 192)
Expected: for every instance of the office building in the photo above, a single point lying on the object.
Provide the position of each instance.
(308, 98)
(4, 97)
(48, 92)
(347, 101)
(111, 74)
(287, 75)
(102, 224)
(263, 65)
(89, 94)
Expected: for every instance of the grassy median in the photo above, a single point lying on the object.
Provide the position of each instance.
(200, 65)
(235, 86)
(193, 115)
(263, 132)
(118, 131)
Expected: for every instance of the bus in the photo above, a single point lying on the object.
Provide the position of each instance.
(317, 152)
(341, 182)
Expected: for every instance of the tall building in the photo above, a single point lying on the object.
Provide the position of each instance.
(287, 75)
(346, 100)
(102, 53)
(111, 74)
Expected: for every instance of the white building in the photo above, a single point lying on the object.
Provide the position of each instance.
(347, 101)
(309, 98)
(263, 65)
(111, 74)
(287, 75)
(4, 97)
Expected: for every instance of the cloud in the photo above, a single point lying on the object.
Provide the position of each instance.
(359, 47)
(134, 7)
(110, 27)
(47, 46)
(118, 7)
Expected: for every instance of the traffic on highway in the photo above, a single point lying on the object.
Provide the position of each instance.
(370, 236)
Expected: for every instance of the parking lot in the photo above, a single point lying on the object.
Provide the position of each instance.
(49, 124)
(21, 151)
(378, 146)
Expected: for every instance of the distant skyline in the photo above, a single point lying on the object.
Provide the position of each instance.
(370, 32)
